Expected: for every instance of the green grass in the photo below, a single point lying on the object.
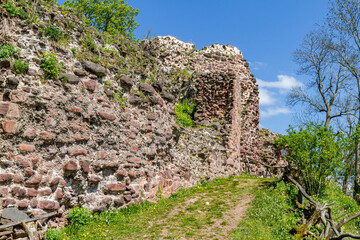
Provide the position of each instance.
(190, 213)
(202, 212)
(268, 217)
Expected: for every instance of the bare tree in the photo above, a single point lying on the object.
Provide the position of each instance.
(326, 90)
(343, 24)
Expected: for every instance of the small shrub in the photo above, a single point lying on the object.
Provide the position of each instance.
(64, 79)
(89, 42)
(13, 11)
(7, 50)
(21, 66)
(184, 112)
(120, 98)
(80, 216)
(53, 234)
(53, 32)
(50, 65)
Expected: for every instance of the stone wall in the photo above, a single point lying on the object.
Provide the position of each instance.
(106, 136)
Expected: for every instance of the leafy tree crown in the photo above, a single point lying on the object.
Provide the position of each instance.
(111, 16)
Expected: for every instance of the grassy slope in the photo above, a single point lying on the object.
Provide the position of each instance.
(201, 212)
(207, 211)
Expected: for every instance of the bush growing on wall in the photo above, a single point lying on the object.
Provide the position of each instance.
(184, 112)
(50, 65)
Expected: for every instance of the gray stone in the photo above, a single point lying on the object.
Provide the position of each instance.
(14, 214)
(12, 81)
(158, 85)
(5, 63)
(147, 88)
(167, 96)
(70, 78)
(80, 73)
(134, 100)
(127, 81)
(94, 68)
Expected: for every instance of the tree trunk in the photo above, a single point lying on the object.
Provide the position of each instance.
(356, 171)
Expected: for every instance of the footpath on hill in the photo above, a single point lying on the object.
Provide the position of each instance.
(208, 211)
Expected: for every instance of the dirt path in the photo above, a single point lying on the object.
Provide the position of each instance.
(211, 214)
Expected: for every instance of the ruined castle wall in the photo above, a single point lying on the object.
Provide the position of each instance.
(68, 143)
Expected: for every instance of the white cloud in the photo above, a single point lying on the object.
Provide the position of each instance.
(274, 111)
(266, 97)
(257, 65)
(285, 82)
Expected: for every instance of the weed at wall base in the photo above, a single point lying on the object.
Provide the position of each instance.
(21, 66)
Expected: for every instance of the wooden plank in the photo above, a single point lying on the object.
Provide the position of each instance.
(28, 220)
(5, 233)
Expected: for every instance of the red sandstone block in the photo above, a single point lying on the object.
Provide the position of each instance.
(90, 85)
(9, 126)
(62, 183)
(46, 136)
(18, 179)
(22, 204)
(94, 179)
(132, 173)
(70, 166)
(74, 109)
(8, 201)
(121, 173)
(4, 108)
(13, 111)
(29, 172)
(49, 205)
(34, 181)
(50, 122)
(77, 151)
(26, 147)
(85, 165)
(4, 192)
(110, 165)
(55, 181)
(32, 192)
(127, 198)
(23, 162)
(18, 192)
(34, 203)
(59, 194)
(134, 160)
(115, 187)
(43, 172)
(45, 192)
(49, 165)
(34, 159)
(133, 148)
(78, 137)
(106, 116)
(101, 155)
(30, 133)
(5, 177)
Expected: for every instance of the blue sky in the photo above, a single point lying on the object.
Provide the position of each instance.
(267, 32)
